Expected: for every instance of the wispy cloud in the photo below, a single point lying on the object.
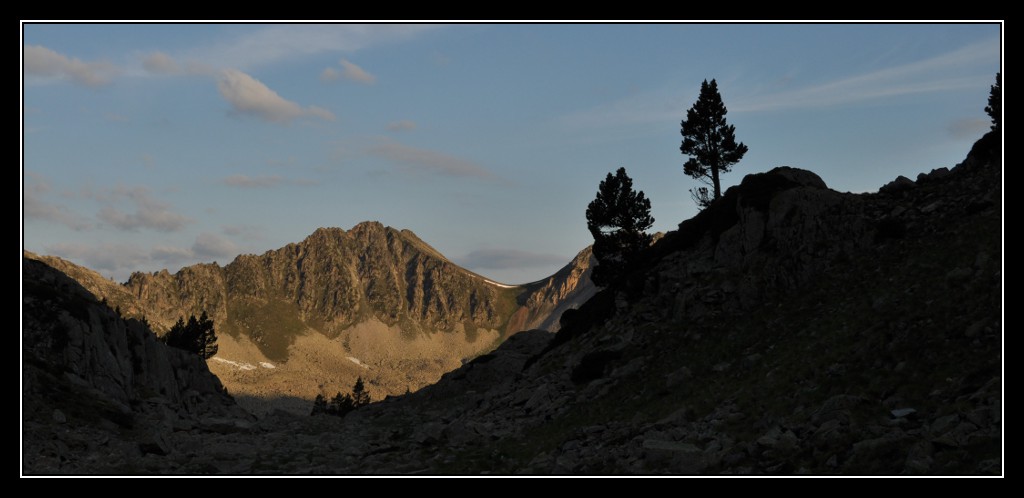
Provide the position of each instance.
(355, 73)
(118, 260)
(37, 208)
(506, 259)
(170, 255)
(45, 63)
(148, 213)
(265, 181)
(403, 125)
(940, 73)
(954, 70)
(160, 63)
(283, 42)
(253, 181)
(329, 74)
(248, 96)
(428, 161)
(212, 246)
(969, 128)
(244, 232)
(121, 259)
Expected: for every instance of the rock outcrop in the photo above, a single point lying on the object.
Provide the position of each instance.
(86, 369)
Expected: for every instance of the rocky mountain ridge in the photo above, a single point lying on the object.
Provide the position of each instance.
(372, 302)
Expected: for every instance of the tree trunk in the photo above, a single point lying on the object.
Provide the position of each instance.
(714, 179)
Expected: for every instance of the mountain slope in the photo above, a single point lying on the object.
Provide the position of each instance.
(92, 379)
(372, 302)
(786, 329)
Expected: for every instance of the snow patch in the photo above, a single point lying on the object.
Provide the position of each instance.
(240, 366)
(355, 360)
(267, 365)
(503, 286)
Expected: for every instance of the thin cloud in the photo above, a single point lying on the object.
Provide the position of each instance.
(941, 73)
(947, 72)
(249, 96)
(122, 259)
(160, 63)
(329, 74)
(266, 181)
(169, 255)
(506, 259)
(46, 63)
(429, 161)
(149, 213)
(244, 232)
(246, 181)
(355, 73)
(969, 128)
(284, 42)
(117, 259)
(403, 125)
(36, 208)
(212, 246)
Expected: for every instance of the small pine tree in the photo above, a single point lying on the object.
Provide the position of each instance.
(359, 395)
(319, 405)
(197, 336)
(995, 102)
(618, 218)
(340, 405)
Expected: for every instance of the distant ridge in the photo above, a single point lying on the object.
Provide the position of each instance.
(287, 306)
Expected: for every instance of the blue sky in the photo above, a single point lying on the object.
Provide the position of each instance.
(157, 146)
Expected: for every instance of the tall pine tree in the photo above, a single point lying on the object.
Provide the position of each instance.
(710, 142)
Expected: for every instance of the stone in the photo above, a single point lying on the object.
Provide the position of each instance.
(931, 207)
(682, 458)
(59, 417)
(154, 443)
(959, 275)
(902, 412)
(900, 184)
(944, 423)
(681, 375)
(225, 425)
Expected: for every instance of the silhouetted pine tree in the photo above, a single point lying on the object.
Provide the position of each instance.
(359, 395)
(995, 102)
(710, 142)
(319, 405)
(196, 336)
(618, 218)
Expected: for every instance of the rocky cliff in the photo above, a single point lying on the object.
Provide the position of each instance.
(87, 373)
(544, 301)
(330, 281)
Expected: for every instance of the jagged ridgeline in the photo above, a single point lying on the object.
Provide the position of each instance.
(310, 317)
(331, 281)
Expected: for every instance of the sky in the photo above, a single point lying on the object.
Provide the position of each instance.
(152, 146)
